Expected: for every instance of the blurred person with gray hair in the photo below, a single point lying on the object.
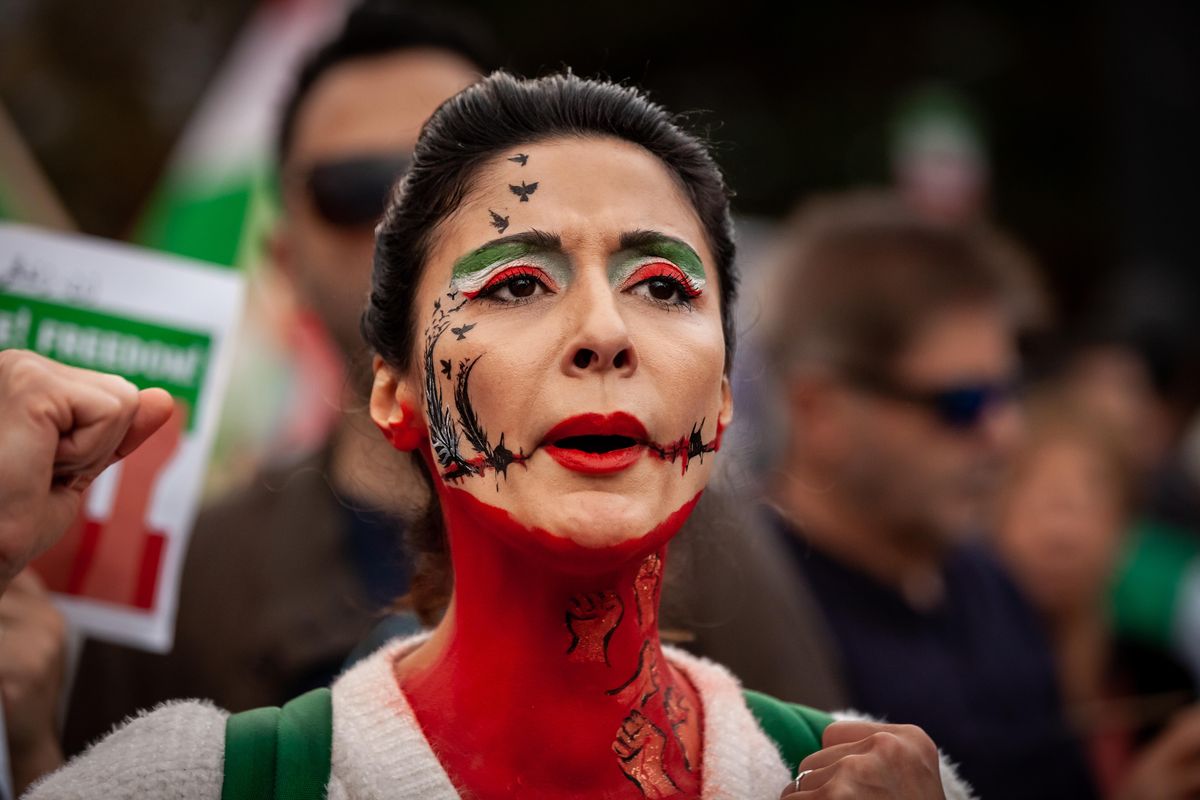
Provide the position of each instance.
(894, 344)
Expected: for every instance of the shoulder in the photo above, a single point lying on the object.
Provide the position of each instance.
(176, 750)
(795, 729)
(378, 748)
(740, 758)
(750, 728)
(976, 574)
(977, 561)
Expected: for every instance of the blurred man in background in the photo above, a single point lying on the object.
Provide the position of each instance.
(894, 341)
(284, 578)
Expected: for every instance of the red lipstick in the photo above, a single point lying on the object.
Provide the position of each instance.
(597, 444)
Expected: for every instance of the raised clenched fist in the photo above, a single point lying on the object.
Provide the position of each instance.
(592, 619)
(60, 427)
(645, 588)
(871, 760)
(639, 747)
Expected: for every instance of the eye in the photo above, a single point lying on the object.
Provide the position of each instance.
(662, 289)
(516, 284)
(662, 282)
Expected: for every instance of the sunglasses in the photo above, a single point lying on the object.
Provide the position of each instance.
(960, 407)
(353, 192)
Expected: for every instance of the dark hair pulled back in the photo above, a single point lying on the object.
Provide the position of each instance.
(497, 114)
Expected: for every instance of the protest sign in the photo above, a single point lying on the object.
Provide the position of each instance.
(156, 320)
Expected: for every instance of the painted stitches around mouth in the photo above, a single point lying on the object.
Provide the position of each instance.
(598, 443)
(686, 448)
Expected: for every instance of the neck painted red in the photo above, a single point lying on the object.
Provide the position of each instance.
(546, 679)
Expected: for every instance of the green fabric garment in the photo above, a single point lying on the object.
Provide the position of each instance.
(280, 752)
(285, 753)
(1146, 591)
(796, 730)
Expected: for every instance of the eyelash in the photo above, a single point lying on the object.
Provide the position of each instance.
(665, 271)
(506, 276)
(657, 270)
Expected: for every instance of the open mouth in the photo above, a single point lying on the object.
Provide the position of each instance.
(596, 443)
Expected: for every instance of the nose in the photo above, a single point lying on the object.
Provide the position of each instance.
(1003, 427)
(601, 343)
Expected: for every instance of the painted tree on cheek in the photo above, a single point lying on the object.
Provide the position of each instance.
(444, 431)
(443, 434)
(499, 457)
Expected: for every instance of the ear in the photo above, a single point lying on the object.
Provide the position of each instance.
(725, 417)
(394, 404)
(280, 251)
(818, 409)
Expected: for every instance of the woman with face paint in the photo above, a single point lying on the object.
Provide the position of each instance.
(551, 309)
(552, 312)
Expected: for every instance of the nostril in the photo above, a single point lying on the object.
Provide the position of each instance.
(583, 358)
(621, 359)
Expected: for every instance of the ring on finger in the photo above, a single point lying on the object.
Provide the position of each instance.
(799, 778)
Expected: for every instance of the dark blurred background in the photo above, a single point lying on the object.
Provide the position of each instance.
(1088, 112)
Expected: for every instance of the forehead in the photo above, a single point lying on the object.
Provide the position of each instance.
(971, 341)
(376, 104)
(589, 191)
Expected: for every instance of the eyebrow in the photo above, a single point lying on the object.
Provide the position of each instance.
(507, 247)
(654, 243)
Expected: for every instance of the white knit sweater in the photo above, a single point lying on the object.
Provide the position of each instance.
(176, 751)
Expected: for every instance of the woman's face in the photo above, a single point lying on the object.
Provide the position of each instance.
(1061, 527)
(570, 362)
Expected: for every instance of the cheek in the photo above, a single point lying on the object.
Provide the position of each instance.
(1025, 541)
(686, 362)
(511, 363)
(503, 386)
(889, 437)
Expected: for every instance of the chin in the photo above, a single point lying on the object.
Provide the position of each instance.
(960, 517)
(598, 520)
(585, 526)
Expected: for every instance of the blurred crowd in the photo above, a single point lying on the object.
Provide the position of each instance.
(937, 504)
